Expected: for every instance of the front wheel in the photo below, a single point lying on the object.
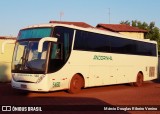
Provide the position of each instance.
(139, 80)
(76, 84)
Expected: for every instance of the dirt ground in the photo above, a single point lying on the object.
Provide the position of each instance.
(90, 100)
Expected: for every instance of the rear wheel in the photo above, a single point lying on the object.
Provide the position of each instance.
(76, 84)
(139, 80)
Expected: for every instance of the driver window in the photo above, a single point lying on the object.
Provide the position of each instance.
(56, 51)
(56, 58)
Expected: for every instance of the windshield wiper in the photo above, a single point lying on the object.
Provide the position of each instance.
(19, 65)
(28, 65)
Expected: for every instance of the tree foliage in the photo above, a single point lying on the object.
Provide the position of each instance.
(153, 32)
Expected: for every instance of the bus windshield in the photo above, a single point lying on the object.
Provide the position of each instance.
(27, 58)
(34, 33)
(54, 55)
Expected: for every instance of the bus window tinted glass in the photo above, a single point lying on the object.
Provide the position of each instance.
(65, 36)
(34, 33)
(88, 41)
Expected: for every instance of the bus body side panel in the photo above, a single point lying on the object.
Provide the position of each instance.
(108, 68)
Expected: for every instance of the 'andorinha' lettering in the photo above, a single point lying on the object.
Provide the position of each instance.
(99, 57)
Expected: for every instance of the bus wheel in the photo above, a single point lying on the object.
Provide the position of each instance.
(76, 84)
(139, 80)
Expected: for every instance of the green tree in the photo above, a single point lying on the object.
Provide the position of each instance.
(125, 22)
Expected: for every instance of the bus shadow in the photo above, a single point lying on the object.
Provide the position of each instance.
(53, 102)
(63, 104)
(7, 91)
(157, 80)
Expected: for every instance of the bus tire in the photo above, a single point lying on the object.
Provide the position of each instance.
(77, 82)
(139, 80)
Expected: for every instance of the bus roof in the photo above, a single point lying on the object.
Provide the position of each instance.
(94, 30)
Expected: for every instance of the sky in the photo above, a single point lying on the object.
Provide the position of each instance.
(17, 14)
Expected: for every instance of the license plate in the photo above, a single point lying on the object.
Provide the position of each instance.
(23, 86)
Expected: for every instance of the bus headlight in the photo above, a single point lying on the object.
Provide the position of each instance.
(40, 78)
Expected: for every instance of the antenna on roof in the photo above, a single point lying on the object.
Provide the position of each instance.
(61, 14)
(109, 14)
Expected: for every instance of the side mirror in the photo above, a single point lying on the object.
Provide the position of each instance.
(40, 45)
(6, 42)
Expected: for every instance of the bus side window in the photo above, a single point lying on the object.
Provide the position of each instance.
(66, 46)
(56, 51)
(56, 58)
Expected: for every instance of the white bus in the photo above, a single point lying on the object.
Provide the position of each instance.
(50, 57)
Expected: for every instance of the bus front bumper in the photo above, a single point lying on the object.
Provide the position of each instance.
(41, 87)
